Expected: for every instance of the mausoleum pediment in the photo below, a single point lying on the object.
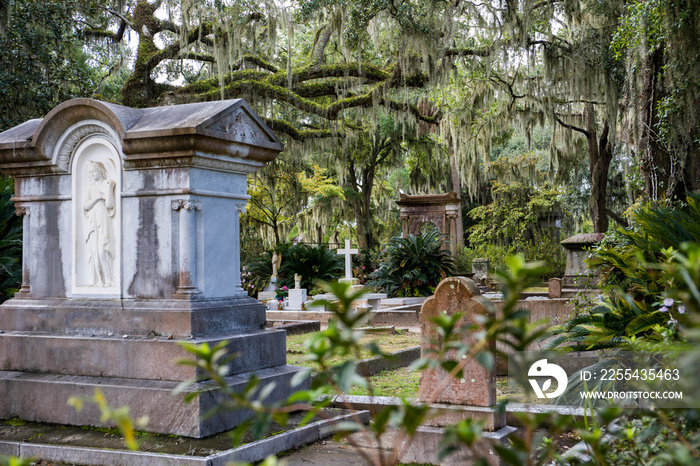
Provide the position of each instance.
(187, 134)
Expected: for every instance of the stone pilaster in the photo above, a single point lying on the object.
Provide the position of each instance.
(187, 282)
(23, 211)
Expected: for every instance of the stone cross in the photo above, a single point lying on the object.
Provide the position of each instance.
(348, 259)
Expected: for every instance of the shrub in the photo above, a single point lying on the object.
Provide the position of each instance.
(413, 266)
(256, 273)
(10, 242)
(314, 264)
(637, 268)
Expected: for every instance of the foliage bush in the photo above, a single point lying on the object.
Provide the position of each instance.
(413, 266)
(541, 249)
(521, 219)
(256, 274)
(313, 263)
(636, 267)
(10, 242)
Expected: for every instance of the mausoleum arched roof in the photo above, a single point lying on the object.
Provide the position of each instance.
(226, 128)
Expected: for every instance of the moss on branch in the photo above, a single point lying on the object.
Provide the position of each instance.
(300, 135)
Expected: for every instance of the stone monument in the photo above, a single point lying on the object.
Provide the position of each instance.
(297, 295)
(131, 243)
(471, 396)
(270, 290)
(577, 274)
(442, 210)
(480, 268)
(348, 252)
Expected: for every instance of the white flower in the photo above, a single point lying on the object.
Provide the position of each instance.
(663, 309)
(668, 302)
(681, 309)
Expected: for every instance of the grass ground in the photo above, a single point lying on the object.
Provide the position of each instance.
(401, 382)
(388, 342)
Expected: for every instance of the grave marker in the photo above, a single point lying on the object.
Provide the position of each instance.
(348, 252)
(478, 385)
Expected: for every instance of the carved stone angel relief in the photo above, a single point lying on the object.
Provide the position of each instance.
(96, 238)
(99, 208)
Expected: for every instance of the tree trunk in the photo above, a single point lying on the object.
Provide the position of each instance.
(652, 160)
(319, 234)
(276, 230)
(363, 213)
(458, 236)
(599, 158)
(360, 221)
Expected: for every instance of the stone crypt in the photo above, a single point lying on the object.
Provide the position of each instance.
(440, 209)
(131, 242)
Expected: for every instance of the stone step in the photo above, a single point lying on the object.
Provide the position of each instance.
(132, 357)
(43, 398)
(178, 317)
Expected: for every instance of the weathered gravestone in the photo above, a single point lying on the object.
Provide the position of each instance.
(480, 267)
(471, 396)
(478, 385)
(131, 242)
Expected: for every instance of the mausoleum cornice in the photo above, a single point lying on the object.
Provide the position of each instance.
(224, 135)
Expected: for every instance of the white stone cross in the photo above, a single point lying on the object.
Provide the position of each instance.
(348, 258)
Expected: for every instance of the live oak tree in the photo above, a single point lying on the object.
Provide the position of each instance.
(323, 73)
(659, 41)
(42, 62)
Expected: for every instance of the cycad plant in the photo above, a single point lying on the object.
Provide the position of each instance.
(256, 273)
(313, 264)
(413, 266)
(634, 273)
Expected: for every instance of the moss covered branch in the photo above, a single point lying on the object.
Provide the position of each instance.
(300, 135)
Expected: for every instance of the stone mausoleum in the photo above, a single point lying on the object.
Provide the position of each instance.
(131, 244)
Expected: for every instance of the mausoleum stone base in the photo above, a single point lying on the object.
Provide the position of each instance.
(52, 349)
(177, 317)
(133, 357)
(43, 398)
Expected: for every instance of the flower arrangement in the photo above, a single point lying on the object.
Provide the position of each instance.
(246, 282)
(281, 293)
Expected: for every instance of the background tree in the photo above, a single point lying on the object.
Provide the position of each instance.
(659, 41)
(42, 62)
(426, 88)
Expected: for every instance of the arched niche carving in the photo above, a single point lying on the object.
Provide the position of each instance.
(96, 179)
(439, 209)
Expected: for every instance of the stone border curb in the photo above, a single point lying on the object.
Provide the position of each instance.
(384, 317)
(251, 452)
(398, 359)
(374, 404)
(295, 327)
